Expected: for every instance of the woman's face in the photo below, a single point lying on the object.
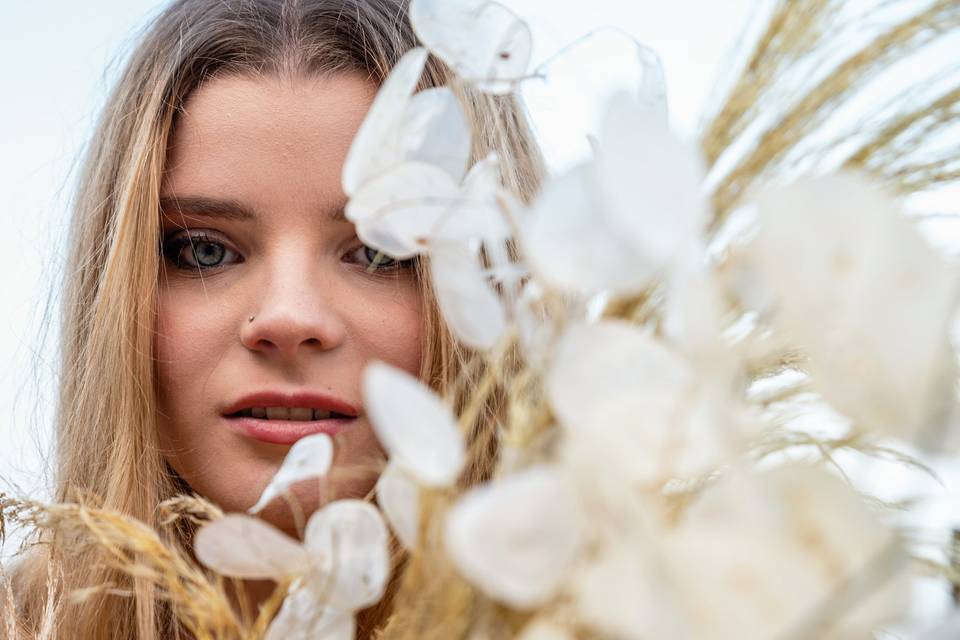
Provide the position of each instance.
(269, 305)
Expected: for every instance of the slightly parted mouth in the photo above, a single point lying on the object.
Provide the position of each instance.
(303, 414)
(290, 406)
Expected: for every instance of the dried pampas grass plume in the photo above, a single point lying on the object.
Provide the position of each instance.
(798, 33)
(200, 603)
(8, 608)
(194, 509)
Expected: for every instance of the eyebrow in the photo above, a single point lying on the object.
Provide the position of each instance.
(224, 208)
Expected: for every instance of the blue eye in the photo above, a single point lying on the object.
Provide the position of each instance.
(374, 260)
(197, 251)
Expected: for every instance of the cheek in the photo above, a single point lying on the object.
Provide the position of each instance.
(394, 333)
(190, 336)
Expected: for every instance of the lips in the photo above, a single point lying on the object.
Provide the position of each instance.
(283, 418)
(287, 413)
(297, 399)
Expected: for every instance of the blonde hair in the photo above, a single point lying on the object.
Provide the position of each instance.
(106, 444)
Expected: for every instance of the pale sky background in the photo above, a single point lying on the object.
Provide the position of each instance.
(60, 56)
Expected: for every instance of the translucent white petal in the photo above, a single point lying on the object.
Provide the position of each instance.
(510, 274)
(241, 546)
(569, 244)
(484, 176)
(515, 538)
(612, 372)
(631, 405)
(693, 314)
(650, 183)
(378, 236)
(476, 214)
(304, 616)
(417, 430)
(396, 211)
(435, 131)
(810, 536)
(652, 95)
(544, 629)
(350, 542)
(948, 629)
(468, 303)
(511, 56)
(482, 41)
(377, 145)
(534, 329)
(620, 593)
(399, 497)
(871, 304)
(309, 457)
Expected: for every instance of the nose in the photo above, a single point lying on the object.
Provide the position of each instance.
(296, 311)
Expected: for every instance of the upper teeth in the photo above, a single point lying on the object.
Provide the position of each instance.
(286, 413)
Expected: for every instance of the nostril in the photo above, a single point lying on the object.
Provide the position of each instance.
(285, 331)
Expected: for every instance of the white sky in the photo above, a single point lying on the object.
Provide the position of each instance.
(56, 55)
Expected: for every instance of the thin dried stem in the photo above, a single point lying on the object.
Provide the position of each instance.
(486, 385)
(816, 102)
(433, 602)
(52, 604)
(8, 611)
(268, 610)
(780, 440)
(905, 131)
(849, 593)
(790, 30)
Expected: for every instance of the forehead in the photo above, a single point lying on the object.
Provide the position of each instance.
(243, 133)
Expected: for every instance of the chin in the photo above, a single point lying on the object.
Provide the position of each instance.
(290, 514)
(233, 479)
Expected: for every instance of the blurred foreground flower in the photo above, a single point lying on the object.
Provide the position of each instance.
(342, 565)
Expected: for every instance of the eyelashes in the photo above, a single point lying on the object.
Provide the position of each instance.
(202, 251)
(197, 251)
(373, 260)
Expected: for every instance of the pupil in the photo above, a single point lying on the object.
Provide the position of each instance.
(376, 258)
(208, 253)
